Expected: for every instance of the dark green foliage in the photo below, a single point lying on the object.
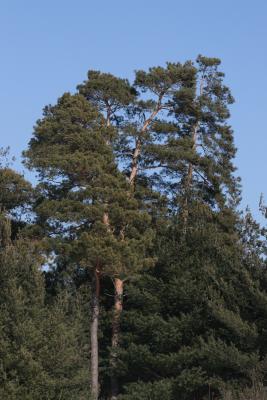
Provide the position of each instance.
(42, 355)
(160, 390)
(190, 323)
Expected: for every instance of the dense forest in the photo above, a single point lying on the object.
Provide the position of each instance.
(128, 269)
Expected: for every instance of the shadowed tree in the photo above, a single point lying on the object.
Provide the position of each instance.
(41, 353)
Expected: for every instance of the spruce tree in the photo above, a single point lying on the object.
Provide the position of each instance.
(189, 326)
(41, 354)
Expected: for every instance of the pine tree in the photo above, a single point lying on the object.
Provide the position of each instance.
(111, 96)
(200, 263)
(15, 194)
(80, 188)
(120, 104)
(192, 146)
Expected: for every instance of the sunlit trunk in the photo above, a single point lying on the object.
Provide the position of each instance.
(118, 307)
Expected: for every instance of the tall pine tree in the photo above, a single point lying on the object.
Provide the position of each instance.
(83, 204)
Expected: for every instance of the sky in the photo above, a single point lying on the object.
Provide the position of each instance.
(47, 47)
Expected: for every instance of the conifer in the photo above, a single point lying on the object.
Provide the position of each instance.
(133, 116)
(41, 356)
(80, 187)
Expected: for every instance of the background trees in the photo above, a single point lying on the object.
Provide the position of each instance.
(42, 343)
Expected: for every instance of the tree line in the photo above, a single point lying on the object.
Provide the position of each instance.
(128, 270)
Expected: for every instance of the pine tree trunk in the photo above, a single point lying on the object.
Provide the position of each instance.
(118, 307)
(138, 145)
(94, 336)
(189, 177)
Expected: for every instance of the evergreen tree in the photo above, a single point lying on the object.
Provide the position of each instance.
(112, 96)
(83, 204)
(41, 355)
(15, 194)
(189, 326)
(192, 145)
(133, 116)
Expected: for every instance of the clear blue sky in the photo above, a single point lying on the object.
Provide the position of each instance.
(48, 46)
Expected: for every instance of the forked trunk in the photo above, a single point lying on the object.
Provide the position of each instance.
(189, 177)
(118, 307)
(94, 336)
